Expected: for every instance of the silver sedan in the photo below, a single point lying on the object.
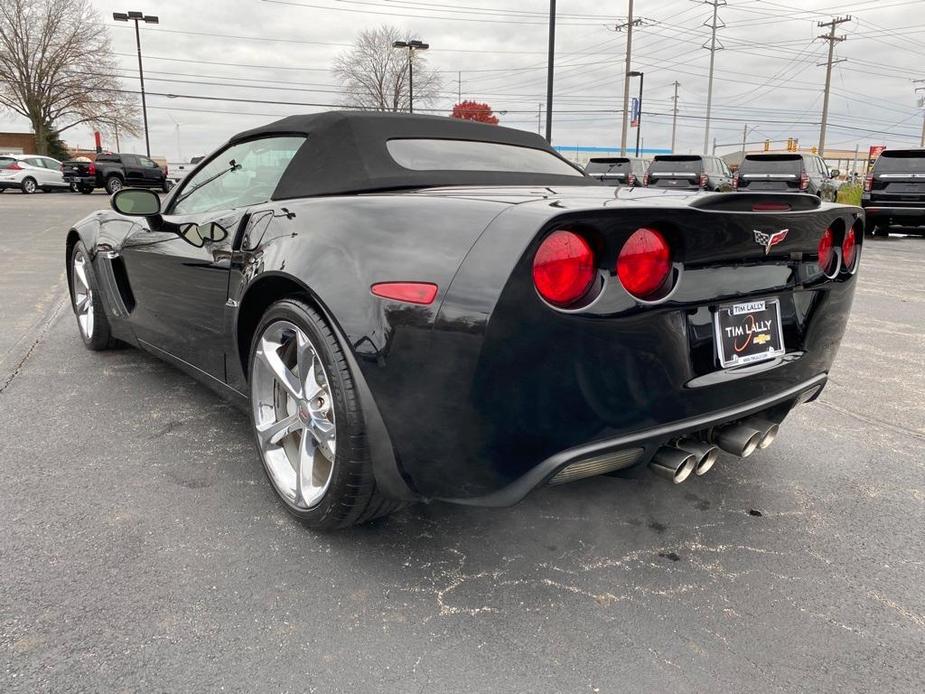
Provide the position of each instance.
(30, 172)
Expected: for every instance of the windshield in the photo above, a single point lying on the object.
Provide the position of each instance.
(472, 155)
(608, 165)
(901, 162)
(773, 164)
(676, 164)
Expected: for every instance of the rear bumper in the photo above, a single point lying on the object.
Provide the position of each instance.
(890, 210)
(80, 180)
(639, 447)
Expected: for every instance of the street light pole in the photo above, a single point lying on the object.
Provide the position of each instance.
(641, 76)
(412, 46)
(147, 19)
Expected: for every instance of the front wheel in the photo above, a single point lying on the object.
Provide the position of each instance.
(87, 302)
(307, 422)
(86, 190)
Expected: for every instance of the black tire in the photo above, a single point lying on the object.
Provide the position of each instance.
(114, 184)
(352, 496)
(166, 186)
(100, 336)
(86, 190)
(28, 185)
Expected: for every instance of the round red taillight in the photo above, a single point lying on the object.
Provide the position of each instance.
(826, 252)
(644, 263)
(563, 268)
(849, 249)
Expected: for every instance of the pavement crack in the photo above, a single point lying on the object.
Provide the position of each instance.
(44, 326)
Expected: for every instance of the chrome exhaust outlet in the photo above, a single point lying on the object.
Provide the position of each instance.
(673, 464)
(768, 431)
(740, 439)
(706, 454)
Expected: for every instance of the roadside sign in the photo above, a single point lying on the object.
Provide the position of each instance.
(634, 113)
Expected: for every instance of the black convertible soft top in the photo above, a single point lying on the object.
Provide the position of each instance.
(348, 152)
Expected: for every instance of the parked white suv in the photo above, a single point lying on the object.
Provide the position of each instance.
(30, 172)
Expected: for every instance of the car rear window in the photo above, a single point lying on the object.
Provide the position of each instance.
(773, 164)
(608, 165)
(679, 164)
(108, 157)
(900, 162)
(472, 155)
(6, 161)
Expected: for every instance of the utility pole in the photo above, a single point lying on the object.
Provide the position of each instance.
(744, 136)
(832, 39)
(630, 23)
(713, 46)
(674, 116)
(550, 68)
(459, 95)
(922, 106)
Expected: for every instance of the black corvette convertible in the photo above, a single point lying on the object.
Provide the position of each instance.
(417, 308)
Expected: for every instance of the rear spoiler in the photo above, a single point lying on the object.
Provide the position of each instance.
(758, 202)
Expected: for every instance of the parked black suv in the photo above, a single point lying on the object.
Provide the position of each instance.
(790, 173)
(114, 172)
(617, 171)
(689, 172)
(894, 192)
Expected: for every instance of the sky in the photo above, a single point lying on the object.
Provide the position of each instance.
(768, 78)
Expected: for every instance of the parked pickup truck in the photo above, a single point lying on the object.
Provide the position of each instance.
(114, 172)
(179, 170)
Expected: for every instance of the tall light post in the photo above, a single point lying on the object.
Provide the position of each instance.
(147, 19)
(641, 76)
(412, 46)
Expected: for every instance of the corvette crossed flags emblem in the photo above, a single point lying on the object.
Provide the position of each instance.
(768, 240)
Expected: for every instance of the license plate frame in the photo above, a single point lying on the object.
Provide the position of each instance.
(742, 330)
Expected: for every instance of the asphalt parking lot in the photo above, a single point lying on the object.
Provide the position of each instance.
(143, 549)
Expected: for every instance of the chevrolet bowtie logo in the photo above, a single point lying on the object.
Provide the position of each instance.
(768, 240)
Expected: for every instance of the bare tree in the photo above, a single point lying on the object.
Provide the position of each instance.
(57, 69)
(375, 75)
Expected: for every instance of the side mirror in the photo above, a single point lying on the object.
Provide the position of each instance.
(835, 173)
(136, 202)
(197, 236)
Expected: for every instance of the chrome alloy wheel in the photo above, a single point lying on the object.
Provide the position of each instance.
(293, 414)
(83, 295)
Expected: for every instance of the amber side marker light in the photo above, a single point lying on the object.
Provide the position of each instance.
(422, 293)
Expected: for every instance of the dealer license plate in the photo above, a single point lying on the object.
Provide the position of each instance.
(748, 332)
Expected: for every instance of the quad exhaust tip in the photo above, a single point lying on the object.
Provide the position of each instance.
(740, 439)
(673, 463)
(768, 431)
(744, 439)
(706, 453)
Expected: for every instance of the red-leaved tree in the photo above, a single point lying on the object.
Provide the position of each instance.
(473, 110)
